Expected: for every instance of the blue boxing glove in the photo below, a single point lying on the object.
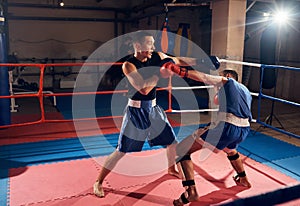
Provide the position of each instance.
(213, 59)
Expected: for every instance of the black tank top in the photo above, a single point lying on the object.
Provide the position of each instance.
(154, 62)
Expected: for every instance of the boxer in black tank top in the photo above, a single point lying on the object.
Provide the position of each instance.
(143, 118)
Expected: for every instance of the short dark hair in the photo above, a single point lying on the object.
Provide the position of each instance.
(139, 36)
(233, 73)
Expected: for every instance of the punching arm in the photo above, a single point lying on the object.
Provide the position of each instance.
(190, 61)
(207, 78)
(195, 75)
(182, 72)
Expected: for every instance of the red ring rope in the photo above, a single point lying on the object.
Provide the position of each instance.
(40, 94)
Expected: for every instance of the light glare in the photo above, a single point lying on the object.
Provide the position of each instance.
(281, 17)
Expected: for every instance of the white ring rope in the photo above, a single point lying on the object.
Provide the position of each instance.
(241, 63)
(195, 110)
(196, 87)
(254, 94)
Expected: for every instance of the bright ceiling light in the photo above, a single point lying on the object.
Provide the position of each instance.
(61, 3)
(281, 17)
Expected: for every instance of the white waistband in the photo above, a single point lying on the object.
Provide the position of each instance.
(141, 103)
(232, 119)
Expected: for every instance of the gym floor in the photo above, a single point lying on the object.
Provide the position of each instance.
(46, 164)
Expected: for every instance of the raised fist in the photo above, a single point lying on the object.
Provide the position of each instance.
(165, 72)
(182, 72)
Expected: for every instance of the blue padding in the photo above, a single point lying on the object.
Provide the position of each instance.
(289, 166)
(275, 153)
(262, 148)
(3, 186)
(267, 148)
(20, 155)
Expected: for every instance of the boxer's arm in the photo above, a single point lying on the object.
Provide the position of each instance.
(144, 86)
(206, 78)
(196, 75)
(190, 61)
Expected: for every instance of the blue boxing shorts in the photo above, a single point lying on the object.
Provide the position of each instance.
(225, 135)
(141, 122)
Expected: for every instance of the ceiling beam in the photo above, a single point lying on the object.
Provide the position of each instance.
(43, 18)
(52, 6)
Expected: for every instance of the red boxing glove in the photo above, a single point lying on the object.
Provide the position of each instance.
(216, 99)
(182, 72)
(165, 73)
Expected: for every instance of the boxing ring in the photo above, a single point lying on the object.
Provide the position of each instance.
(41, 94)
(25, 159)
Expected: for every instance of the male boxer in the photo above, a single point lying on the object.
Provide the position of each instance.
(143, 118)
(232, 128)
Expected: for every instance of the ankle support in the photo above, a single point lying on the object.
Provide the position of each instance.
(233, 157)
(242, 174)
(186, 183)
(185, 157)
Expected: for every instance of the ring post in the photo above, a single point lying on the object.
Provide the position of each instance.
(4, 79)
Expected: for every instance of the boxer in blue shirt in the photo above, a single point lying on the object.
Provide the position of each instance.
(230, 129)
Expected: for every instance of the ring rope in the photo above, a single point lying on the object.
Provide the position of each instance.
(240, 63)
(195, 87)
(280, 100)
(254, 94)
(194, 110)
